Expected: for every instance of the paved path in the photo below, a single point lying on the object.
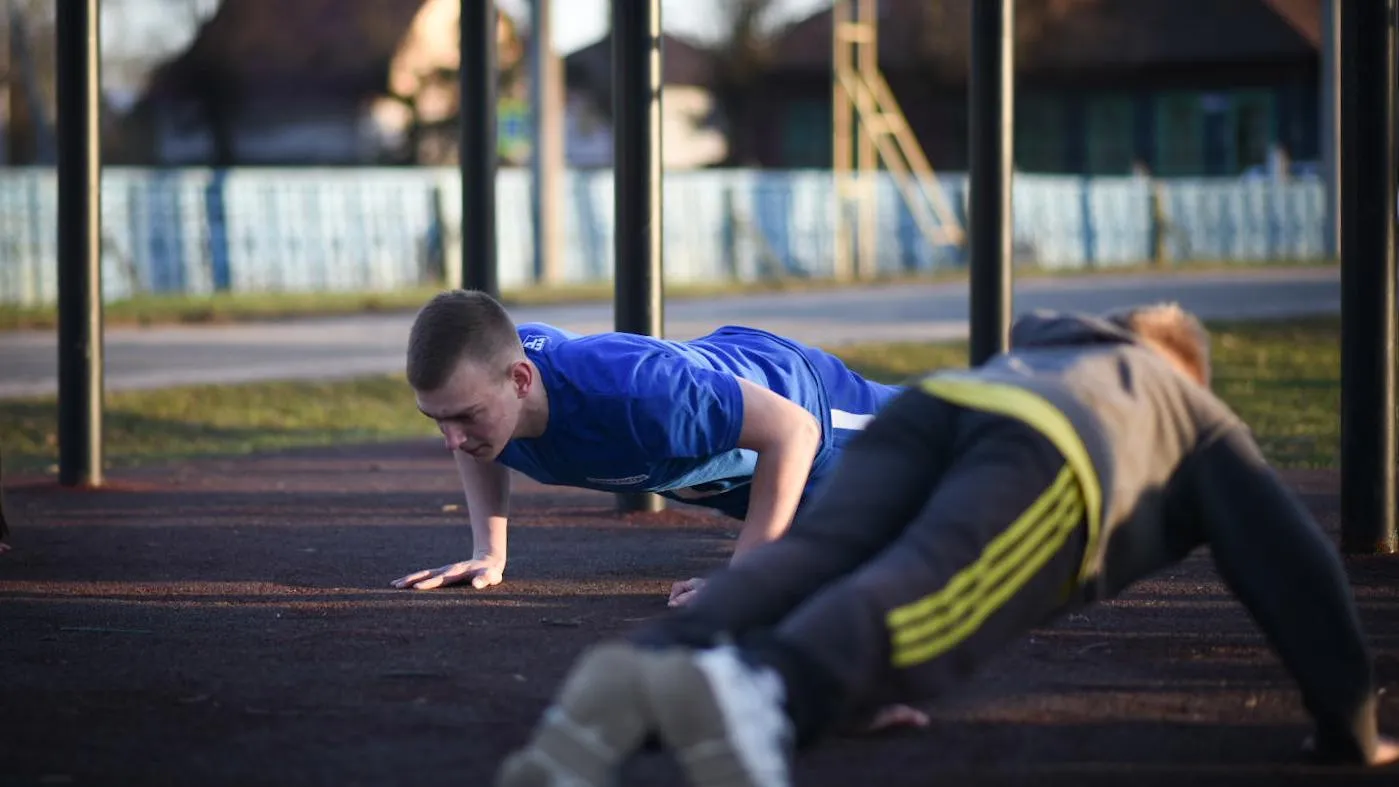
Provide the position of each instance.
(229, 623)
(325, 348)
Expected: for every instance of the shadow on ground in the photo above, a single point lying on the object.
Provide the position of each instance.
(230, 623)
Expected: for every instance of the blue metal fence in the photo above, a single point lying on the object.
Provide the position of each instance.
(248, 229)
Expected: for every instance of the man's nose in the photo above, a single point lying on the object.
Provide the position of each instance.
(454, 436)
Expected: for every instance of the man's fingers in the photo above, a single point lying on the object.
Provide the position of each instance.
(430, 582)
(891, 716)
(682, 599)
(411, 578)
(685, 586)
(437, 577)
(487, 577)
(481, 576)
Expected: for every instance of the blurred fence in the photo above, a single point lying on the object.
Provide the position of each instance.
(247, 230)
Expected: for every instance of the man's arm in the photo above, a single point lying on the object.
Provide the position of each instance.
(487, 488)
(1279, 562)
(786, 437)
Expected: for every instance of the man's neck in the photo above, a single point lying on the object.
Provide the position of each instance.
(534, 420)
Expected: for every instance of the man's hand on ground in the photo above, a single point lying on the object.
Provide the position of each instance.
(481, 573)
(1385, 754)
(895, 716)
(681, 593)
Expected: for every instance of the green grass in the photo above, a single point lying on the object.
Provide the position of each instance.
(144, 426)
(241, 307)
(1283, 379)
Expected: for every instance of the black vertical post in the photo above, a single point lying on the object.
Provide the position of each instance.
(79, 245)
(4, 523)
(1368, 320)
(1330, 120)
(478, 145)
(546, 142)
(636, 113)
(990, 95)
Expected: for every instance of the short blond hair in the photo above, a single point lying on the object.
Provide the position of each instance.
(1172, 331)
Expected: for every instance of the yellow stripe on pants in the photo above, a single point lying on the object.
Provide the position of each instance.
(1039, 414)
(938, 622)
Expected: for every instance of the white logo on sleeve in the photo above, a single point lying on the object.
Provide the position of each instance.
(535, 342)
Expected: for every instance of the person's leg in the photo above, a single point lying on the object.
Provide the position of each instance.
(995, 552)
(881, 480)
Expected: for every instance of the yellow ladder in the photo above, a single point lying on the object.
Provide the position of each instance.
(860, 92)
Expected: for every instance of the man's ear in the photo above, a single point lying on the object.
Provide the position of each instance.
(522, 378)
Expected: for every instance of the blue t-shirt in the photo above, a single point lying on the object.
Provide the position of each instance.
(630, 413)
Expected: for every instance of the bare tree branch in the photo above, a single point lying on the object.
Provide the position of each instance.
(742, 55)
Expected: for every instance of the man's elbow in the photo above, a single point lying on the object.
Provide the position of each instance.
(807, 431)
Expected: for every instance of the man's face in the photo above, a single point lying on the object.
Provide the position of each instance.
(478, 408)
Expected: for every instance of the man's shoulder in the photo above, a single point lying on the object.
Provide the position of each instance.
(608, 366)
(539, 336)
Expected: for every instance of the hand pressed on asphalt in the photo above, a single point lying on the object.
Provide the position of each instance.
(681, 593)
(1385, 754)
(895, 716)
(480, 573)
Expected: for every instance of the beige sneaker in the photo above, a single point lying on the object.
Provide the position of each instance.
(721, 717)
(598, 719)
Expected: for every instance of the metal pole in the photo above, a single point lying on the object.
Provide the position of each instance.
(546, 149)
(842, 137)
(1368, 320)
(478, 145)
(866, 153)
(79, 245)
(991, 95)
(4, 523)
(636, 113)
(1330, 119)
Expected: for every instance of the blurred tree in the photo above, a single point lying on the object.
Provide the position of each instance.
(943, 40)
(28, 81)
(136, 36)
(743, 52)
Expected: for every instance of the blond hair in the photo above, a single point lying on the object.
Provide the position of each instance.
(1173, 332)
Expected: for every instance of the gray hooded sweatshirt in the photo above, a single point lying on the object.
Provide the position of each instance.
(1178, 469)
